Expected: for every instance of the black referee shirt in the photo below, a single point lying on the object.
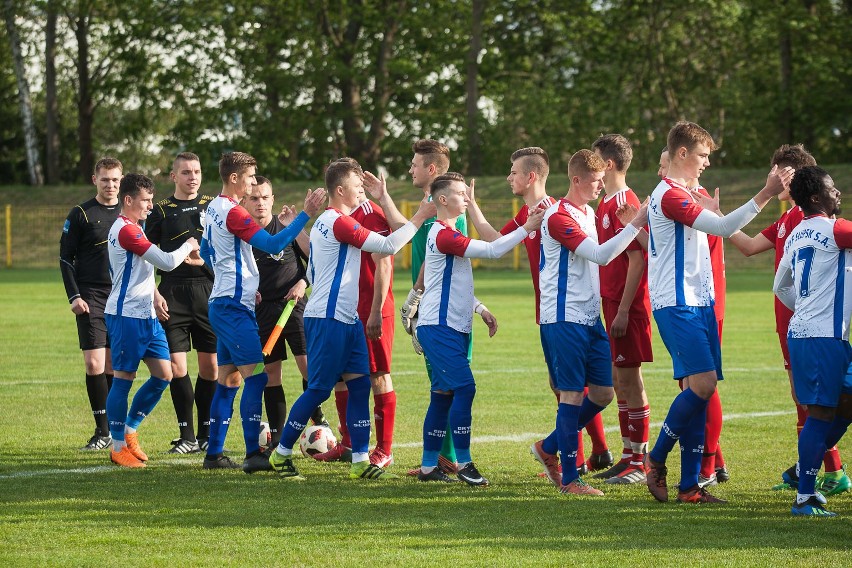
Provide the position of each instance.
(83, 256)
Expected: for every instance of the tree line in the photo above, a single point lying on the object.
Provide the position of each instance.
(297, 82)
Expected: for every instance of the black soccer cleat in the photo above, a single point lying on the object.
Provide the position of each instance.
(97, 442)
(184, 446)
(470, 475)
(436, 474)
(220, 462)
(600, 461)
(722, 474)
(258, 461)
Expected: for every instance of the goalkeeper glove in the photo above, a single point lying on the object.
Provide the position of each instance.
(414, 342)
(408, 311)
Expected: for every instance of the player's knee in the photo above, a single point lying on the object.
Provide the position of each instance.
(824, 413)
(844, 407)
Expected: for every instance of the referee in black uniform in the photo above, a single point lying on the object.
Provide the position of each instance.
(282, 277)
(181, 302)
(84, 263)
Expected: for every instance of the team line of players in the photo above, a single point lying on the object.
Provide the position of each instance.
(581, 261)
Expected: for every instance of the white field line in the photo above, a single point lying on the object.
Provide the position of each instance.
(518, 438)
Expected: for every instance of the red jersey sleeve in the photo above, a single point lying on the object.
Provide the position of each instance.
(771, 232)
(240, 224)
(348, 230)
(451, 241)
(376, 221)
(565, 229)
(678, 206)
(518, 221)
(843, 233)
(132, 239)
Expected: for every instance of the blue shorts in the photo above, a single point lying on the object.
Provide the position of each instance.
(334, 349)
(691, 335)
(134, 339)
(577, 355)
(847, 381)
(820, 367)
(447, 352)
(237, 338)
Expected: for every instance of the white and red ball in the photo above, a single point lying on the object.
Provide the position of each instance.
(265, 437)
(317, 440)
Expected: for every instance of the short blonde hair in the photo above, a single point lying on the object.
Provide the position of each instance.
(585, 162)
(688, 135)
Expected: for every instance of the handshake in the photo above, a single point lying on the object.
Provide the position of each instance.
(408, 315)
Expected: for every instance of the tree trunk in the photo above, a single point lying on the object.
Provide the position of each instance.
(474, 156)
(85, 104)
(785, 95)
(30, 139)
(51, 105)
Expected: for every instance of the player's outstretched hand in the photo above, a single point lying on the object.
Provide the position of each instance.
(534, 220)
(779, 179)
(288, 213)
(376, 186)
(314, 201)
(408, 311)
(297, 291)
(490, 321)
(470, 190)
(709, 203)
(193, 244)
(79, 307)
(427, 208)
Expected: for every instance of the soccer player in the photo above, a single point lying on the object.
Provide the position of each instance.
(134, 330)
(282, 278)
(431, 159)
(181, 302)
(773, 237)
(337, 346)
(680, 282)
(445, 321)
(528, 179)
(626, 309)
(229, 234)
(84, 263)
(811, 281)
(576, 347)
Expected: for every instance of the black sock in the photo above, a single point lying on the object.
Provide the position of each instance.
(109, 380)
(276, 411)
(96, 387)
(182, 397)
(204, 391)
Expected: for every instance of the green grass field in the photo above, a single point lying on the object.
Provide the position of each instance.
(63, 507)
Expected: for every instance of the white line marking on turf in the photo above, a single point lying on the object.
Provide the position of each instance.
(522, 437)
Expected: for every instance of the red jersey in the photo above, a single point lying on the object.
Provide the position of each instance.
(777, 234)
(532, 242)
(371, 217)
(717, 263)
(614, 275)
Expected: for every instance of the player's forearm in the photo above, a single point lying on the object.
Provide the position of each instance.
(605, 253)
(69, 278)
(167, 261)
(274, 244)
(784, 287)
(420, 283)
(486, 231)
(394, 218)
(729, 224)
(635, 268)
(392, 243)
(750, 246)
(303, 241)
(496, 249)
(381, 281)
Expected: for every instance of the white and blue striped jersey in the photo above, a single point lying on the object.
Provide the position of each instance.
(227, 229)
(132, 259)
(813, 278)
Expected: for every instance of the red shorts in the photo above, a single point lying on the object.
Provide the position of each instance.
(381, 349)
(635, 347)
(785, 351)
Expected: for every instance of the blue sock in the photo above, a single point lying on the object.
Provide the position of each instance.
(251, 410)
(116, 407)
(683, 408)
(566, 433)
(811, 451)
(588, 410)
(221, 410)
(691, 450)
(358, 413)
(838, 428)
(551, 443)
(461, 418)
(145, 400)
(435, 427)
(299, 415)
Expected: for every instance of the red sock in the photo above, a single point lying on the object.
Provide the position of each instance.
(801, 416)
(595, 430)
(385, 413)
(581, 458)
(624, 426)
(341, 398)
(720, 459)
(640, 419)
(712, 431)
(832, 460)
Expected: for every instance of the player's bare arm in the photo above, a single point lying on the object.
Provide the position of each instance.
(381, 285)
(635, 268)
(483, 227)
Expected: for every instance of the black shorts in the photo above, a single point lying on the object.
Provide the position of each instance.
(294, 331)
(187, 300)
(91, 327)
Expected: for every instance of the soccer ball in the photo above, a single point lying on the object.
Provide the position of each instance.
(265, 437)
(317, 440)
